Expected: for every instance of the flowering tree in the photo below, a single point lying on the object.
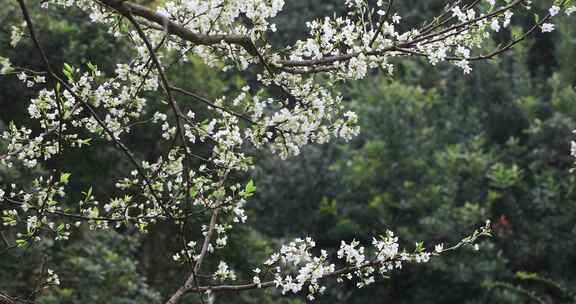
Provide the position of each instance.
(294, 104)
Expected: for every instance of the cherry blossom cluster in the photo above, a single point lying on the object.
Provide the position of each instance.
(301, 268)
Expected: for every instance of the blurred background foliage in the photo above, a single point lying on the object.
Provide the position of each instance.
(439, 153)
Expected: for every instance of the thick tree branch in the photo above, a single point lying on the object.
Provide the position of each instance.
(427, 35)
(126, 7)
(192, 282)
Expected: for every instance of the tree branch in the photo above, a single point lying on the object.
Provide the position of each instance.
(93, 113)
(125, 8)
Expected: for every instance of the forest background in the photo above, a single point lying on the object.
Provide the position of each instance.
(438, 154)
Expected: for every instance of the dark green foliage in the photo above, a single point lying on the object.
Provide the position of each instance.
(100, 267)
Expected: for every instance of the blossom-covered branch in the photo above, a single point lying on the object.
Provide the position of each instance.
(286, 108)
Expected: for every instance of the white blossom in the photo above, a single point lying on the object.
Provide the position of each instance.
(52, 278)
(495, 25)
(554, 10)
(547, 27)
(439, 248)
(224, 272)
(16, 35)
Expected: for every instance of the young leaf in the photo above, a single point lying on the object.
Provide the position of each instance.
(65, 177)
(250, 189)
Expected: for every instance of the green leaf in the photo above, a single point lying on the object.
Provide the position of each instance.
(250, 189)
(91, 66)
(517, 32)
(142, 227)
(85, 142)
(68, 71)
(193, 192)
(523, 275)
(88, 194)
(65, 177)
(419, 247)
(68, 67)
